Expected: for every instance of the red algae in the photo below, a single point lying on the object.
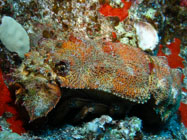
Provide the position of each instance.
(5, 100)
(184, 90)
(4, 96)
(114, 36)
(183, 3)
(174, 60)
(121, 13)
(16, 125)
(74, 39)
(183, 113)
(182, 79)
(151, 66)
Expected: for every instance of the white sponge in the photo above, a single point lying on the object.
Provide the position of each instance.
(14, 37)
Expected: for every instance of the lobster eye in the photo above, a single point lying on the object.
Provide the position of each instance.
(62, 68)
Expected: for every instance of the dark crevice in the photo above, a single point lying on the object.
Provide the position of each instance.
(75, 103)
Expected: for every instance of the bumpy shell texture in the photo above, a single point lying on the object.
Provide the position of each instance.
(114, 68)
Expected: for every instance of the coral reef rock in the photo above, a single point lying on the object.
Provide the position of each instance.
(105, 128)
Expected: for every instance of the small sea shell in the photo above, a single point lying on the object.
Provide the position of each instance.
(147, 36)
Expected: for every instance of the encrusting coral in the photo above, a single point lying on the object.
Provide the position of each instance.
(113, 68)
